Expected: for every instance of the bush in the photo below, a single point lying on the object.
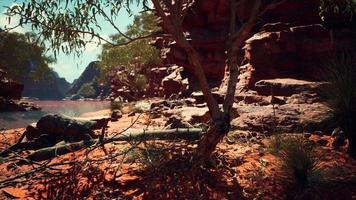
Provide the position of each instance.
(338, 13)
(151, 154)
(275, 144)
(87, 90)
(340, 95)
(298, 160)
(141, 82)
(116, 105)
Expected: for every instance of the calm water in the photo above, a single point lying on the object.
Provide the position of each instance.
(70, 108)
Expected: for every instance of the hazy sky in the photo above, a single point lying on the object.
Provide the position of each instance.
(70, 66)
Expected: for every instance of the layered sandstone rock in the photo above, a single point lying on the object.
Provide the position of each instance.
(207, 25)
(280, 51)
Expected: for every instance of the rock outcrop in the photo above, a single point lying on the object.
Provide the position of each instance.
(207, 22)
(280, 51)
(10, 93)
(174, 83)
(12, 105)
(9, 88)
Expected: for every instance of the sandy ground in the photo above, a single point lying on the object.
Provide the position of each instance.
(242, 171)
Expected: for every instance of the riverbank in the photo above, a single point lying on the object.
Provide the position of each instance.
(11, 120)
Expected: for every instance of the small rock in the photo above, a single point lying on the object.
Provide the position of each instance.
(154, 115)
(176, 122)
(115, 115)
(202, 105)
(254, 134)
(276, 100)
(189, 101)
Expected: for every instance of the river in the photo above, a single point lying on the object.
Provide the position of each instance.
(10, 120)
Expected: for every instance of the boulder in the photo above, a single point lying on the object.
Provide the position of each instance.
(200, 98)
(286, 87)
(281, 118)
(174, 83)
(116, 115)
(10, 105)
(59, 127)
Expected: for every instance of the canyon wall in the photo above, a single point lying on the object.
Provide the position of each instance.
(289, 41)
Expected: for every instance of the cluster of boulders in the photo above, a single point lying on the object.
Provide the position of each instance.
(161, 82)
(13, 105)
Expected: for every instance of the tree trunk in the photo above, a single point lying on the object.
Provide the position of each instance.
(221, 126)
(220, 118)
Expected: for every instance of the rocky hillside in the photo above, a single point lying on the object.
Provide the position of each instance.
(90, 76)
(40, 89)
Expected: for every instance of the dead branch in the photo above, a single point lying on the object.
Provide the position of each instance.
(173, 134)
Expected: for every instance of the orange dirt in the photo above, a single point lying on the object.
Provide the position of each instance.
(238, 171)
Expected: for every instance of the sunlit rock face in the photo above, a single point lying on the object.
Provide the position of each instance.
(207, 26)
(9, 89)
(280, 51)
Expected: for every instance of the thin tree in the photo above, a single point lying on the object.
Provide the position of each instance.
(65, 24)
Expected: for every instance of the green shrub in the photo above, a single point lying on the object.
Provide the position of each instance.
(116, 105)
(275, 144)
(151, 154)
(87, 90)
(141, 82)
(299, 162)
(340, 95)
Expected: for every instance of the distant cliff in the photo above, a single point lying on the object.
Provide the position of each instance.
(54, 87)
(89, 76)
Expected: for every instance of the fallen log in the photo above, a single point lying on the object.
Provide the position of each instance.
(51, 129)
(173, 134)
